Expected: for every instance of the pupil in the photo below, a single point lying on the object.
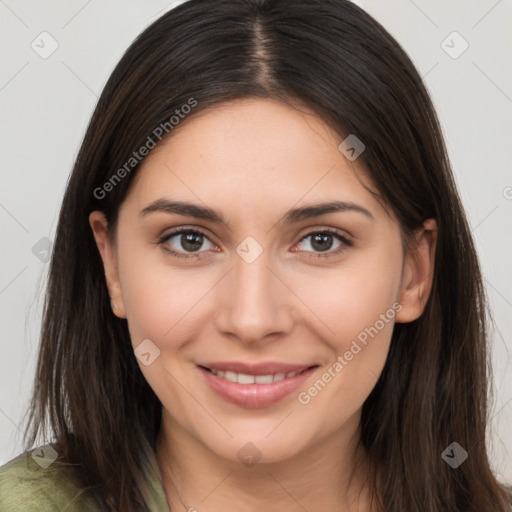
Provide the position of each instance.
(322, 241)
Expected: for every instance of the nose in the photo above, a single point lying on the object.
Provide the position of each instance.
(255, 305)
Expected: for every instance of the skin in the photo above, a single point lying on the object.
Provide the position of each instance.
(253, 160)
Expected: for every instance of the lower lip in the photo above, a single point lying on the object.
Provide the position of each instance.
(255, 395)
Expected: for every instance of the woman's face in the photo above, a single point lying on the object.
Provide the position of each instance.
(273, 288)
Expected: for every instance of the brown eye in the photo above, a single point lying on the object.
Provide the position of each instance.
(183, 242)
(323, 241)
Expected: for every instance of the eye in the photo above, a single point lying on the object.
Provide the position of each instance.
(184, 242)
(187, 243)
(324, 241)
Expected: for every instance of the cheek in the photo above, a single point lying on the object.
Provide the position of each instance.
(348, 300)
(163, 303)
(358, 304)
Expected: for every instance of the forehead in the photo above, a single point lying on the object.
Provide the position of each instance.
(254, 154)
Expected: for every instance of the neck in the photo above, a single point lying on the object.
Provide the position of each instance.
(327, 476)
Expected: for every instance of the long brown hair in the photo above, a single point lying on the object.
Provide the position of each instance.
(334, 58)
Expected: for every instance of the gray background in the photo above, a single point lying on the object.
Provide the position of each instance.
(46, 104)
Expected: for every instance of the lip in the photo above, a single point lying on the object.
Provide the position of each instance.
(255, 395)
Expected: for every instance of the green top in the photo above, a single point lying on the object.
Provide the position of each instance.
(26, 485)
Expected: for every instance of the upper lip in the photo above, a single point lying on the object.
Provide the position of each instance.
(255, 369)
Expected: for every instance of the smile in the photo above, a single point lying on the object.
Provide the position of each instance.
(254, 386)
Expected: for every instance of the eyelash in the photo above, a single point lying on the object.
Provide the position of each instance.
(345, 243)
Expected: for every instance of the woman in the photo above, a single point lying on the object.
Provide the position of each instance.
(263, 294)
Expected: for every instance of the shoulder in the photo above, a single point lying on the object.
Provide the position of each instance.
(35, 481)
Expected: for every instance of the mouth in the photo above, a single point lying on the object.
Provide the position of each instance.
(257, 385)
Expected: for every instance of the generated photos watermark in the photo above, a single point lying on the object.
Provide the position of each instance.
(137, 156)
(305, 397)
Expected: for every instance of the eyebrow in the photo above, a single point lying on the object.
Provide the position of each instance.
(290, 217)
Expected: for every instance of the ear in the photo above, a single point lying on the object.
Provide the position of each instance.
(418, 273)
(108, 255)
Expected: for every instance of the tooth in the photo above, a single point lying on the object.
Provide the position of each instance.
(231, 376)
(245, 379)
(242, 378)
(263, 379)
